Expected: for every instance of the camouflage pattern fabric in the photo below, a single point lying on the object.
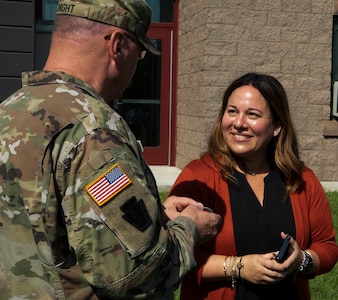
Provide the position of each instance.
(131, 15)
(80, 216)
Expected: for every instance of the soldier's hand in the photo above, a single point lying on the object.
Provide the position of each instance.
(174, 205)
(206, 222)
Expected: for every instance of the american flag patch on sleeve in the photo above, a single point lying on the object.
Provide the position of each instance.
(107, 185)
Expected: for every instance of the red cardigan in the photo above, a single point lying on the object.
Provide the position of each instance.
(202, 181)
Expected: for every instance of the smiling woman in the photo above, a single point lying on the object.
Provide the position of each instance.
(248, 128)
(253, 177)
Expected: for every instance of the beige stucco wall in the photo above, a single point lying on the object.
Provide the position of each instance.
(220, 40)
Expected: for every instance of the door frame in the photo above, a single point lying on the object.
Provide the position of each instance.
(164, 154)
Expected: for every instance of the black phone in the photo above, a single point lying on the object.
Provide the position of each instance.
(283, 250)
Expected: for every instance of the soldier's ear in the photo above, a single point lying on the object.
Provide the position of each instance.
(116, 44)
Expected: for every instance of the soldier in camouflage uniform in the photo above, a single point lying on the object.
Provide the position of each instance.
(80, 214)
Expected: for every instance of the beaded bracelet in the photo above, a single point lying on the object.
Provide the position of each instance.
(233, 273)
(229, 268)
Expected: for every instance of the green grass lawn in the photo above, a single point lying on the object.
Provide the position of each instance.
(323, 287)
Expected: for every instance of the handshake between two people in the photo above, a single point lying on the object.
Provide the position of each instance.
(205, 220)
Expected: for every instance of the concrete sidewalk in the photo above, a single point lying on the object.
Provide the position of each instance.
(330, 186)
(165, 176)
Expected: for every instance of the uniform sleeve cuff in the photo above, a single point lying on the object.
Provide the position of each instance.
(186, 224)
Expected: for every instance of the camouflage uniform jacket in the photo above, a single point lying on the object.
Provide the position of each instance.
(80, 216)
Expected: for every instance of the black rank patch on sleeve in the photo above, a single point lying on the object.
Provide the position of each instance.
(136, 213)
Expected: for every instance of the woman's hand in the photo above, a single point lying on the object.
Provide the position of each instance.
(295, 256)
(264, 269)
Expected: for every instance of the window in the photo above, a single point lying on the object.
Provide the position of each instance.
(46, 10)
(334, 110)
(162, 10)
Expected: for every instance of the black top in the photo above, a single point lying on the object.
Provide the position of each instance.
(257, 230)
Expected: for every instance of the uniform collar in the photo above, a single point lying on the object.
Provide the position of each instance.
(34, 78)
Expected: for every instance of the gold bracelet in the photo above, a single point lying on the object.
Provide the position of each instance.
(225, 267)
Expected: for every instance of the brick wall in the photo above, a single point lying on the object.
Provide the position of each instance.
(289, 39)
